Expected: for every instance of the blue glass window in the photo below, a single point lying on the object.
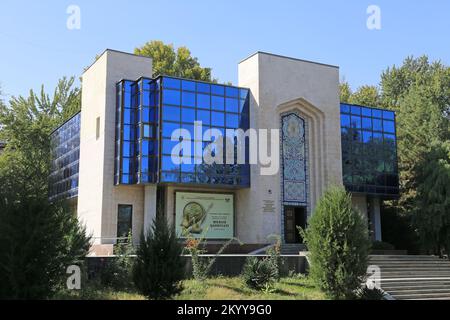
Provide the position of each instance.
(168, 165)
(217, 103)
(218, 119)
(367, 123)
(231, 105)
(168, 145)
(377, 125)
(388, 126)
(171, 97)
(148, 131)
(217, 90)
(388, 115)
(355, 110)
(232, 120)
(356, 122)
(188, 99)
(345, 120)
(128, 132)
(188, 115)
(171, 113)
(366, 112)
(168, 128)
(232, 92)
(188, 85)
(203, 101)
(376, 113)
(171, 83)
(243, 93)
(203, 87)
(126, 165)
(345, 108)
(204, 116)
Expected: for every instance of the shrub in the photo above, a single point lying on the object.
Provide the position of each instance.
(38, 241)
(380, 245)
(370, 294)
(338, 244)
(259, 273)
(117, 273)
(201, 266)
(274, 253)
(159, 268)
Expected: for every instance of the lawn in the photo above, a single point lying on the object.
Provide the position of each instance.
(220, 288)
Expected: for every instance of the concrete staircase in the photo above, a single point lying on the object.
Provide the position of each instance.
(292, 248)
(414, 277)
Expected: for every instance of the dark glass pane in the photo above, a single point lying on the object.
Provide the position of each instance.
(126, 165)
(124, 219)
(145, 114)
(171, 97)
(148, 131)
(367, 136)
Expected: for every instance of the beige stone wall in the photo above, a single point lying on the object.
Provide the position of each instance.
(98, 197)
(279, 85)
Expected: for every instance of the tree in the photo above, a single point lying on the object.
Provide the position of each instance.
(159, 267)
(171, 62)
(38, 239)
(338, 243)
(345, 92)
(366, 96)
(432, 209)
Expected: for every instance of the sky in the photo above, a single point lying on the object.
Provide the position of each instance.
(37, 47)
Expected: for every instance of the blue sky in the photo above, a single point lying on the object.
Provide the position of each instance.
(37, 48)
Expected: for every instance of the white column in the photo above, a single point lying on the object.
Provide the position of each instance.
(376, 218)
(149, 206)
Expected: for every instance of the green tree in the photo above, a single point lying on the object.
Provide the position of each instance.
(345, 92)
(159, 267)
(432, 210)
(366, 96)
(338, 245)
(171, 62)
(38, 239)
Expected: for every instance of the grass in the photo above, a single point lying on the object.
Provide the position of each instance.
(219, 288)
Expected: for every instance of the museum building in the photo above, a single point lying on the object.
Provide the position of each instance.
(114, 161)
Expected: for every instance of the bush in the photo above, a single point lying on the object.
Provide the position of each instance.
(381, 245)
(159, 268)
(38, 241)
(117, 272)
(260, 273)
(338, 244)
(370, 294)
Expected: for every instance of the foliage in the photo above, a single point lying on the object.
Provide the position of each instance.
(432, 213)
(345, 92)
(382, 245)
(38, 241)
(364, 95)
(117, 274)
(338, 244)
(201, 266)
(370, 294)
(260, 274)
(171, 62)
(274, 253)
(159, 268)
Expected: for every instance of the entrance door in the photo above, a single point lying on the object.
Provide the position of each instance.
(294, 217)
